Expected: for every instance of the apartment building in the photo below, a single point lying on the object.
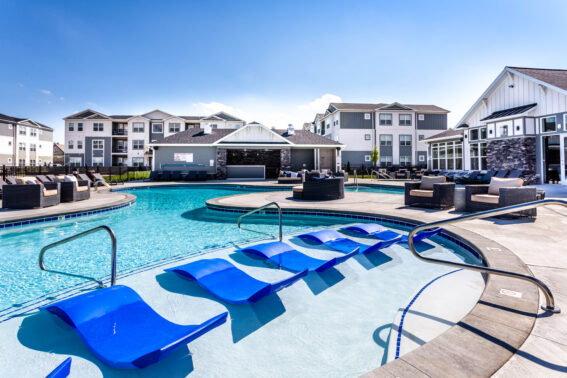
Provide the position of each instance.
(397, 130)
(519, 122)
(93, 138)
(25, 142)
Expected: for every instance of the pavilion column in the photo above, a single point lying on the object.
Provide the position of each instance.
(285, 159)
(221, 163)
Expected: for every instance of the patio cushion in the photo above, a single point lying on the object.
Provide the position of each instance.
(60, 178)
(49, 193)
(297, 189)
(486, 198)
(27, 180)
(421, 193)
(428, 181)
(497, 183)
(83, 188)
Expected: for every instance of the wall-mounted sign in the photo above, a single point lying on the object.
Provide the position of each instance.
(212, 163)
(186, 157)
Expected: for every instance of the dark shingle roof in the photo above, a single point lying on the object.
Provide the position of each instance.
(355, 106)
(191, 118)
(195, 135)
(447, 134)
(554, 77)
(510, 111)
(306, 137)
(227, 117)
(7, 118)
(120, 116)
(371, 107)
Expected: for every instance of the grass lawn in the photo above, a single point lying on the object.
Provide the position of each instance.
(129, 176)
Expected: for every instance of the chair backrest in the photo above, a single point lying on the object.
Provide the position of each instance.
(83, 177)
(501, 173)
(496, 183)
(43, 179)
(11, 180)
(52, 178)
(516, 173)
(2, 182)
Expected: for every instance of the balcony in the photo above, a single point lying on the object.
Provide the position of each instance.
(120, 132)
(119, 150)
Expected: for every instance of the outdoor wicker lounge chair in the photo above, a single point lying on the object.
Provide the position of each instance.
(201, 175)
(175, 176)
(323, 189)
(502, 173)
(469, 178)
(500, 193)
(2, 183)
(402, 174)
(432, 192)
(154, 176)
(29, 196)
(291, 177)
(74, 190)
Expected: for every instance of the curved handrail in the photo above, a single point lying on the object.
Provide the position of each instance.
(262, 208)
(375, 173)
(356, 180)
(79, 235)
(550, 302)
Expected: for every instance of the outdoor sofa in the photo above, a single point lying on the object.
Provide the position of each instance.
(323, 189)
(432, 192)
(29, 193)
(287, 177)
(72, 189)
(501, 192)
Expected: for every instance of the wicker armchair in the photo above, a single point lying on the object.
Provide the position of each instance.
(478, 199)
(29, 196)
(313, 173)
(321, 190)
(441, 197)
(75, 191)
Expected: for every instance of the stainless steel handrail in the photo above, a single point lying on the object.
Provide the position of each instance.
(70, 238)
(356, 180)
(375, 173)
(262, 208)
(550, 302)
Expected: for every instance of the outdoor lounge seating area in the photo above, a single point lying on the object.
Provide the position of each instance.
(320, 189)
(433, 192)
(164, 175)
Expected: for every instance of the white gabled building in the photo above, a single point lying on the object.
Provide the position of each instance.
(25, 142)
(93, 138)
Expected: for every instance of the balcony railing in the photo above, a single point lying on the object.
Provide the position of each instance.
(120, 150)
(119, 132)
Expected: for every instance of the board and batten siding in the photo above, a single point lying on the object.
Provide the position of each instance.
(201, 155)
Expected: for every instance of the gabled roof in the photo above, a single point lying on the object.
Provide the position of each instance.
(447, 134)
(509, 112)
(212, 118)
(24, 121)
(192, 118)
(195, 135)
(395, 106)
(85, 114)
(306, 137)
(121, 116)
(555, 77)
(355, 106)
(254, 123)
(381, 106)
(226, 117)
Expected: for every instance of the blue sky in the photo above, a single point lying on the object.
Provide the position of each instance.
(274, 62)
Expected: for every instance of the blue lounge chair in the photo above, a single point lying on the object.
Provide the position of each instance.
(336, 241)
(61, 371)
(122, 330)
(384, 233)
(229, 283)
(285, 256)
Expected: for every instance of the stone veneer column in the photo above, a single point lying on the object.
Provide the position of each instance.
(221, 163)
(513, 153)
(285, 159)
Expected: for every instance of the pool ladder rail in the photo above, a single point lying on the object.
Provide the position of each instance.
(356, 180)
(550, 302)
(262, 208)
(77, 236)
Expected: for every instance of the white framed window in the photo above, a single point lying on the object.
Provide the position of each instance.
(366, 115)
(405, 140)
(22, 162)
(137, 161)
(137, 144)
(421, 158)
(138, 127)
(98, 126)
(385, 161)
(10, 160)
(405, 160)
(367, 136)
(385, 140)
(70, 144)
(405, 119)
(22, 130)
(174, 127)
(504, 130)
(71, 126)
(32, 147)
(482, 133)
(421, 117)
(98, 161)
(33, 132)
(80, 126)
(157, 128)
(385, 119)
(75, 161)
(79, 144)
(32, 162)
(548, 124)
(98, 144)
(366, 157)
(21, 146)
(473, 134)
(420, 137)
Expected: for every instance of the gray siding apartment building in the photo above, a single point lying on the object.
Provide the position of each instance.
(397, 130)
(24, 142)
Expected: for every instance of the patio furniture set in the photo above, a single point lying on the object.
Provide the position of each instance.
(177, 176)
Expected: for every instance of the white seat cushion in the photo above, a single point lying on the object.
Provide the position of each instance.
(298, 188)
(49, 193)
(83, 188)
(486, 198)
(421, 193)
(497, 183)
(428, 181)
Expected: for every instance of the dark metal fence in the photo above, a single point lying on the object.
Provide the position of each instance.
(122, 172)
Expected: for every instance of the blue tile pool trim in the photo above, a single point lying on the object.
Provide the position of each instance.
(373, 218)
(61, 217)
(406, 309)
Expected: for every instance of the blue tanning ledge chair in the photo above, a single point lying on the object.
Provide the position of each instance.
(227, 282)
(122, 330)
(336, 241)
(285, 256)
(380, 232)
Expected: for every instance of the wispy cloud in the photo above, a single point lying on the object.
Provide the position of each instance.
(319, 104)
(62, 98)
(208, 108)
(45, 91)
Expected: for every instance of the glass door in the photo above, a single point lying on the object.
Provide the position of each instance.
(552, 153)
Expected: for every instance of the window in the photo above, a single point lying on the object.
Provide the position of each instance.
(70, 144)
(98, 126)
(385, 119)
(174, 127)
(33, 132)
(9, 143)
(98, 144)
(421, 158)
(385, 140)
(98, 161)
(328, 126)
(420, 137)
(79, 144)
(22, 162)
(504, 130)
(137, 144)
(366, 157)
(483, 133)
(32, 147)
(157, 127)
(21, 146)
(80, 126)
(405, 160)
(137, 161)
(548, 124)
(405, 119)
(10, 160)
(22, 130)
(32, 162)
(75, 161)
(385, 161)
(421, 117)
(405, 140)
(366, 115)
(71, 126)
(458, 156)
(138, 127)
(474, 153)
(473, 134)
(214, 126)
(366, 136)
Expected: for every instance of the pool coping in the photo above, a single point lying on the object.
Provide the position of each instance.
(487, 337)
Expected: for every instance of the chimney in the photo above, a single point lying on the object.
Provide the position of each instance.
(290, 129)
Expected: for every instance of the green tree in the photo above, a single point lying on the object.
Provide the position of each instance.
(375, 156)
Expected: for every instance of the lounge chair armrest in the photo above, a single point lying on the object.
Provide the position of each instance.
(409, 186)
(51, 185)
(514, 196)
(475, 189)
(443, 189)
(82, 183)
(22, 189)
